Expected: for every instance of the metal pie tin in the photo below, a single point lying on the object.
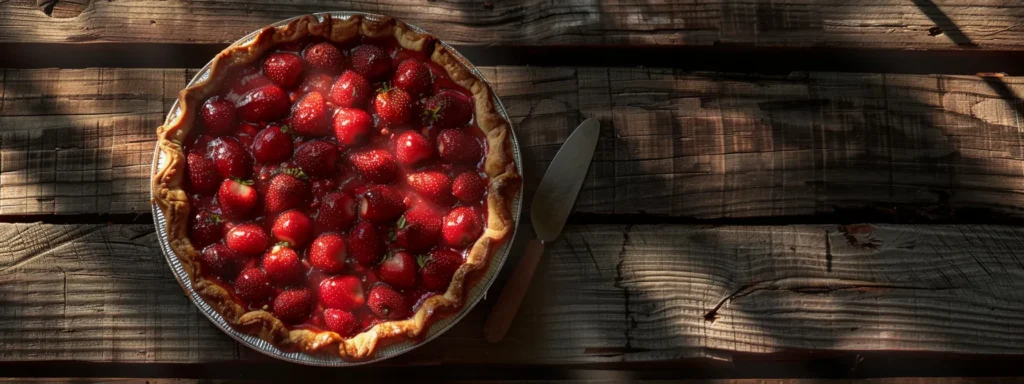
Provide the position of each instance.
(438, 327)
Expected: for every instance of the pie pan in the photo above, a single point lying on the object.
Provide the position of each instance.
(474, 294)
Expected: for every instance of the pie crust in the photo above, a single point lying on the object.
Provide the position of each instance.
(173, 201)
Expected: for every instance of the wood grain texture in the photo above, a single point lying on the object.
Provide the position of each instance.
(705, 145)
(603, 294)
(922, 24)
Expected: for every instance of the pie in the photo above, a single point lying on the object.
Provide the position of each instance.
(336, 185)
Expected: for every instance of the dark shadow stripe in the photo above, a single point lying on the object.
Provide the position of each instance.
(721, 58)
(798, 364)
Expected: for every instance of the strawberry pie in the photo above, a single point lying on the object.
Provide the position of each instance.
(336, 185)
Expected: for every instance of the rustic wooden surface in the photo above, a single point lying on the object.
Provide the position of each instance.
(919, 24)
(704, 145)
(605, 293)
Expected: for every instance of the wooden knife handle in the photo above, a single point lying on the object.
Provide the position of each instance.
(505, 309)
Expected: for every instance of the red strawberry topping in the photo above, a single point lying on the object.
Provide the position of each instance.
(293, 227)
(283, 69)
(413, 76)
(364, 243)
(449, 109)
(351, 90)
(341, 322)
(342, 292)
(325, 56)
(218, 116)
(317, 82)
(411, 148)
(321, 187)
(328, 253)
(418, 230)
(381, 204)
(399, 270)
(309, 116)
(387, 303)
(221, 261)
(248, 239)
(462, 226)
(229, 157)
(206, 228)
(458, 147)
(336, 212)
(236, 198)
(272, 145)
(376, 165)
(394, 106)
(438, 268)
(282, 265)
(202, 173)
(266, 103)
(293, 306)
(370, 61)
(285, 192)
(352, 126)
(253, 285)
(469, 187)
(433, 185)
(316, 157)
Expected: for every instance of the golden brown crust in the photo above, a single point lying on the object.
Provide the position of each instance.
(172, 200)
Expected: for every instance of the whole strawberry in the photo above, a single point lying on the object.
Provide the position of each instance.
(229, 157)
(438, 268)
(237, 198)
(448, 109)
(253, 286)
(457, 147)
(370, 61)
(381, 204)
(272, 145)
(293, 306)
(376, 165)
(282, 265)
(412, 148)
(341, 292)
(264, 104)
(221, 261)
(432, 185)
(205, 228)
(413, 76)
(461, 227)
(387, 303)
(218, 116)
(469, 187)
(393, 106)
(285, 69)
(316, 158)
(309, 116)
(343, 323)
(325, 56)
(351, 90)
(364, 243)
(286, 191)
(328, 253)
(352, 126)
(399, 270)
(293, 227)
(247, 239)
(202, 173)
(336, 212)
(418, 229)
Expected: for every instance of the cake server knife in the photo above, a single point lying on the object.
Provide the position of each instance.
(551, 205)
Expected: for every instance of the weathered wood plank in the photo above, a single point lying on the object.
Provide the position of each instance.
(961, 24)
(603, 293)
(704, 145)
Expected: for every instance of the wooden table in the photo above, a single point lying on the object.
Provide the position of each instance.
(783, 189)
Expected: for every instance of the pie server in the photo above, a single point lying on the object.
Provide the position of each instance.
(550, 209)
